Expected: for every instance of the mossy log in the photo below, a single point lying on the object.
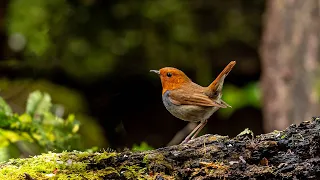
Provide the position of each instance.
(290, 154)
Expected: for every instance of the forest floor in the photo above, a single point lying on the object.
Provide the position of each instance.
(290, 154)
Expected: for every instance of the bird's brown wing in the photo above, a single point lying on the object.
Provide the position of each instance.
(183, 97)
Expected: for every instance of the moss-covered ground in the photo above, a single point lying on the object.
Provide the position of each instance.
(290, 154)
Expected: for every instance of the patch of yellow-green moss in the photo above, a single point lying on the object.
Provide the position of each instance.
(283, 136)
(156, 159)
(277, 133)
(74, 165)
(140, 173)
(247, 131)
(134, 172)
(65, 165)
(104, 155)
(273, 134)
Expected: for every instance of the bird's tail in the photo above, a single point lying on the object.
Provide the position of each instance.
(217, 84)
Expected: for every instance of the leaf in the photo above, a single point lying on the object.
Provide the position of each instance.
(6, 121)
(25, 118)
(142, 147)
(75, 128)
(3, 153)
(11, 136)
(4, 107)
(38, 103)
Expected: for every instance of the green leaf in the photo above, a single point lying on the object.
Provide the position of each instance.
(4, 107)
(38, 103)
(7, 121)
(142, 147)
(4, 154)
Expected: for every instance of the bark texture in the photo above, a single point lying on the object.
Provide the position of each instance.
(290, 62)
(290, 154)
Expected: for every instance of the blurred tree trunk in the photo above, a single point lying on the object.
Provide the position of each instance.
(290, 62)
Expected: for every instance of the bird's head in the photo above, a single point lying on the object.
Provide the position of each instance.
(171, 78)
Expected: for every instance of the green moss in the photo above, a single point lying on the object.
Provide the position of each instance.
(65, 165)
(275, 132)
(100, 173)
(134, 172)
(81, 165)
(81, 155)
(283, 136)
(104, 155)
(247, 131)
(157, 157)
(157, 161)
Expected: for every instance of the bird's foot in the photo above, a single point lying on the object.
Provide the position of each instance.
(185, 140)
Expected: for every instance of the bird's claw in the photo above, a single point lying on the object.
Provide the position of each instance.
(185, 141)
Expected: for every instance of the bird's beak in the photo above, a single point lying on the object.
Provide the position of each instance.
(155, 71)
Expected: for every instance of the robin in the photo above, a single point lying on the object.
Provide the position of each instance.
(189, 101)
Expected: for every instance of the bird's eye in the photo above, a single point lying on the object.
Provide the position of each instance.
(169, 74)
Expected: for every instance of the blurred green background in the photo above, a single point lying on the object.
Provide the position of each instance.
(93, 58)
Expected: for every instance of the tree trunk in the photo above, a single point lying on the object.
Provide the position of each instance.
(290, 154)
(290, 62)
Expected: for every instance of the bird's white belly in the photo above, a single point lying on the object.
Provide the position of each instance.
(188, 112)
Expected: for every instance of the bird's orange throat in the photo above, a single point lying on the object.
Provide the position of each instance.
(172, 83)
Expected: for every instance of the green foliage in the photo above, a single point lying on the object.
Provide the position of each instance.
(88, 40)
(4, 108)
(37, 130)
(142, 147)
(64, 101)
(45, 26)
(39, 32)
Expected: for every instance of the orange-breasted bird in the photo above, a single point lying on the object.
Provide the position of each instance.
(189, 101)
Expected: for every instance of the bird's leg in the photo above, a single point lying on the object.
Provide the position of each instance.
(193, 131)
(203, 124)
